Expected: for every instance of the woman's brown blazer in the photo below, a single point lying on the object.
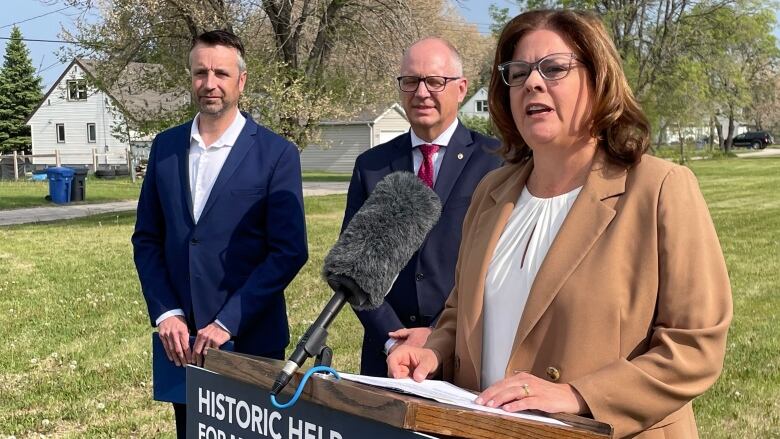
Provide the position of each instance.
(631, 305)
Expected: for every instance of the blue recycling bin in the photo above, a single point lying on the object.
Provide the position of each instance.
(60, 180)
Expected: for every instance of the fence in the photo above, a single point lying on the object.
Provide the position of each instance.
(17, 157)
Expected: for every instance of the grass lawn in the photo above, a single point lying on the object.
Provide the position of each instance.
(75, 356)
(326, 176)
(744, 200)
(16, 195)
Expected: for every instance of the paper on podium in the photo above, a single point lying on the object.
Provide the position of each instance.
(444, 392)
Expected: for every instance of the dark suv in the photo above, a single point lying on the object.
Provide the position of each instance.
(754, 139)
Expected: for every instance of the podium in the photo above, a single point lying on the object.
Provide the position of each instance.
(229, 399)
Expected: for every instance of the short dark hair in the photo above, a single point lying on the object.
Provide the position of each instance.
(219, 37)
(619, 124)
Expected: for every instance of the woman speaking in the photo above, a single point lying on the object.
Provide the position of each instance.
(590, 278)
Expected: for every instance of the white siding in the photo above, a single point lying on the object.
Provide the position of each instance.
(469, 108)
(694, 133)
(390, 125)
(340, 146)
(75, 115)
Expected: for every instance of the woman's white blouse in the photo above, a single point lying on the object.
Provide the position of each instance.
(523, 244)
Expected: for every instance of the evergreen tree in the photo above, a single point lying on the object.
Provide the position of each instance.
(20, 93)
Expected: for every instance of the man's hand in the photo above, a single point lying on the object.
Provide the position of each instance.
(414, 337)
(176, 339)
(212, 336)
(412, 362)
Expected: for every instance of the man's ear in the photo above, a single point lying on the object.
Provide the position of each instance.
(241, 81)
(463, 87)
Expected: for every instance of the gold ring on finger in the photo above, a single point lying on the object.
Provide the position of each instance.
(526, 390)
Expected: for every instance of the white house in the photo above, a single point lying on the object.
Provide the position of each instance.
(477, 105)
(343, 140)
(75, 116)
(698, 133)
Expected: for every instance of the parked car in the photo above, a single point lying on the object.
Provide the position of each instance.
(754, 139)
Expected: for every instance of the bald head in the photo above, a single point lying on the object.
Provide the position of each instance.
(434, 46)
(434, 67)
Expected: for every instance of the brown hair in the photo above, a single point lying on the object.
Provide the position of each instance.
(618, 122)
(221, 37)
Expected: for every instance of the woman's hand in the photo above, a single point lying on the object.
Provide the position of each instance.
(524, 391)
(412, 362)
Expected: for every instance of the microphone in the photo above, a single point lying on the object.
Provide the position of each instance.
(361, 267)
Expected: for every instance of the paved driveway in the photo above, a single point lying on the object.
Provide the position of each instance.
(768, 152)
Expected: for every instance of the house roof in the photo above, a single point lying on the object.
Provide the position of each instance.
(131, 91)
(134, 93)
(481, 94)
(364, 116)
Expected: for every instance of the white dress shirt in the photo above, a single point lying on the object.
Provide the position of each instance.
(522, 247)
(442, 140)
(417, 158)
(207, 160)
(205, 163)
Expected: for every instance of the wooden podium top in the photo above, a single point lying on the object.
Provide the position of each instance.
(400, 410)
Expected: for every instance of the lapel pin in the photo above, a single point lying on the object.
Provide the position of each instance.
(460, 156)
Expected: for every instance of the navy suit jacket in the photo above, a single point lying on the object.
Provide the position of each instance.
(418, 294)
(249, 243)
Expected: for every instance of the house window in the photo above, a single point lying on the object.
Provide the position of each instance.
(77, 90)
(60, 132)
(91, 133)
(482, 106)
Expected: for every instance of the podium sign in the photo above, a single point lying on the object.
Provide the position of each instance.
(219, 407)
(229, 399)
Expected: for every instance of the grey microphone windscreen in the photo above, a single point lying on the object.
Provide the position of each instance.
(381, 238)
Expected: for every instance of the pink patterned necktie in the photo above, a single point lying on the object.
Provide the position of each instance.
(426, 167)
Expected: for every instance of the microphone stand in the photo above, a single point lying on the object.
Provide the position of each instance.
(312, 343)
(324, 357)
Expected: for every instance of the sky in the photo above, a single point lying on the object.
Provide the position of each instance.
(43, 54)
(39, 21)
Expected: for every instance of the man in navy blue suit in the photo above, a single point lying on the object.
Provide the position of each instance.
(220, 231)
(445, 155)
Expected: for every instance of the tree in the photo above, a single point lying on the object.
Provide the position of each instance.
(499, 17)
(679, 101)
(663, 42)
(20, 93)
(770, 103)
(479, 124)
(476, 50)
(307, 59)
(739, 60)
(646, 33)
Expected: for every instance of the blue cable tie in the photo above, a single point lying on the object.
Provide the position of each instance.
(298, 391)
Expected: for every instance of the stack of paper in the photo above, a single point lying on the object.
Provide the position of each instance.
(441, 391)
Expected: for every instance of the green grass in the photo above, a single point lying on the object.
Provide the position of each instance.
(16, 195)
(74, 361)
(744, 199)
(690, 152)
(325, 176)
(75, 356)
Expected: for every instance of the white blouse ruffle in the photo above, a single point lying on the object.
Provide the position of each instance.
(520, 251)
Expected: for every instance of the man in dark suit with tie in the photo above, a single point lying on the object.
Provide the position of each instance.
(446, 156)
(220, 230)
